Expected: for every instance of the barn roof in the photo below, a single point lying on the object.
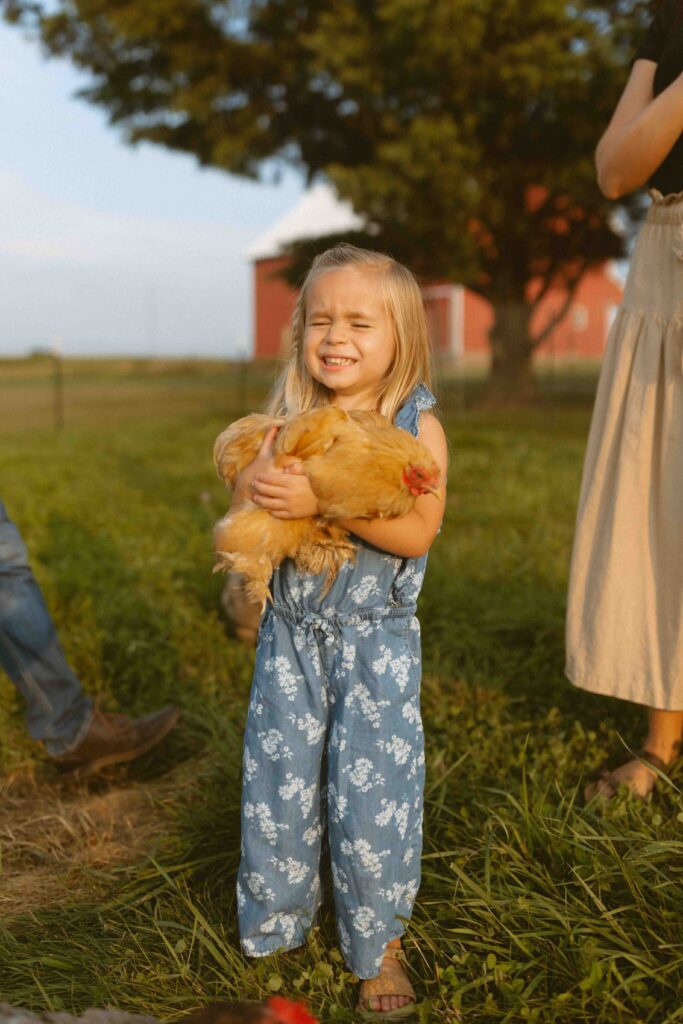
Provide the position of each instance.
(319, 212)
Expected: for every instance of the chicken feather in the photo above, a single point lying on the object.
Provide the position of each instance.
(359, 467)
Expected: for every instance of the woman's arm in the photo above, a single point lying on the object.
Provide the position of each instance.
(641, 134)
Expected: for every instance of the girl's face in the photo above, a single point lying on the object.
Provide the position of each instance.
(349, 342)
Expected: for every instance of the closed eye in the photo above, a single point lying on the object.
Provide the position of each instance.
(360, 325)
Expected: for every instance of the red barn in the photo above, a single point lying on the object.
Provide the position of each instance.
(459, 319)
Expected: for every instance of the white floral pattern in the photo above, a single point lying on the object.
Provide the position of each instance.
(313, 833)
(411, 713)
(363, 591)
(399, 667)
(416, 764)
(361, 854)
(365, 921)
(256, 884)
(286, 678)
(314, 729)
(296, 786)
(262, 815)
(285, 923)
(338, 805)
(344, 937)
(340, 878)
(338, 737)
(362, 774)
(348, 655)
(359, 696)
(401, 892)
(273, 745)
(400, 748)
(295, 870)
(250, 765)
(392, 811)
(409, 583)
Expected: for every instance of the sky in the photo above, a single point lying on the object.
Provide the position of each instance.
(110, 249)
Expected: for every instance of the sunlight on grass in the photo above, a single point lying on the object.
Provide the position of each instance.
(532, 908)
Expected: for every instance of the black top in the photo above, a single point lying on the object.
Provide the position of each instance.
(664, 45)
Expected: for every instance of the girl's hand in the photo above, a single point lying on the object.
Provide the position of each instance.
(286, 493)
(263, 463)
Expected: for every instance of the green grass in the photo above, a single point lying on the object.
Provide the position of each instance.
(532, 908)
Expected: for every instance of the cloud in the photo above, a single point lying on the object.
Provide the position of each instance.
(112, 247)
(43, 229)
(117, 282)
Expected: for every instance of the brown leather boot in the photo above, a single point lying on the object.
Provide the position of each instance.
(114, 738)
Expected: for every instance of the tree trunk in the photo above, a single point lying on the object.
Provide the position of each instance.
(511, 381)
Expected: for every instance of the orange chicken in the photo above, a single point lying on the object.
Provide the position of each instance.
(359, 467)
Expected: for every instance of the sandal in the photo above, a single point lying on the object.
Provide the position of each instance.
(392, 980)
(612, 785)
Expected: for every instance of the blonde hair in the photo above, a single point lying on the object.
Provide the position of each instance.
(296, 391)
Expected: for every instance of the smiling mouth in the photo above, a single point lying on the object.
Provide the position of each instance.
(337, 361)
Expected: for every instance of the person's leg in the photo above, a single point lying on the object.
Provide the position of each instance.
(57, 710)
(375, 794)
(278, 885)
(665, 729)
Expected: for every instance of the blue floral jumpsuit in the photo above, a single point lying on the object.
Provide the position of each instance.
(340, 674)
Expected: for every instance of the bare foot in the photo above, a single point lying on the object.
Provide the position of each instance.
(635, 775)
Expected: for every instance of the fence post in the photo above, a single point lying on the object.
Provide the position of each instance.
(58, 383)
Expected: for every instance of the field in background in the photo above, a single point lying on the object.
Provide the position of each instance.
(44, 393)
(533, 908)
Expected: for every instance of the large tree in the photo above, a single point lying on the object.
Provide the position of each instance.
(463, 130)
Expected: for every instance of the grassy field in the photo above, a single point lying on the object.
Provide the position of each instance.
(532, 908)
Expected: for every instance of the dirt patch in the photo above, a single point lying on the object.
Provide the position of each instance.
(56, 842)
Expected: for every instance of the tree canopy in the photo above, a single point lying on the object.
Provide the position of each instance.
(464, 130)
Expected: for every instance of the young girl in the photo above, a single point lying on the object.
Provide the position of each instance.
(337, 672)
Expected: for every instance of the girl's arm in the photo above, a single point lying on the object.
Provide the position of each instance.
(262, 463)
(289, 496)
(641, 134)
(411, 535)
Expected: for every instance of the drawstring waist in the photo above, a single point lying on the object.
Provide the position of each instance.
(328, 620)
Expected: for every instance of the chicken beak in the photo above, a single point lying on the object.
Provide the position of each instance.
(436, 491)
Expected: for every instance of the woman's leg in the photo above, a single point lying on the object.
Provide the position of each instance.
(663, 740)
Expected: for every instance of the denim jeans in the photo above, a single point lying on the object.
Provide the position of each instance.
(57, 710)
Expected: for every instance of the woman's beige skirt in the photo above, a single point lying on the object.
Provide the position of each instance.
(625, 607)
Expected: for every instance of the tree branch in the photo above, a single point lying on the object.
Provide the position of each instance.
(571, 285)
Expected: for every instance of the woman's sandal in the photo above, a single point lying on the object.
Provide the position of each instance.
(392, 980)
(611, 786)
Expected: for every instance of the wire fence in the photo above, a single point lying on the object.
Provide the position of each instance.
(52, 393)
